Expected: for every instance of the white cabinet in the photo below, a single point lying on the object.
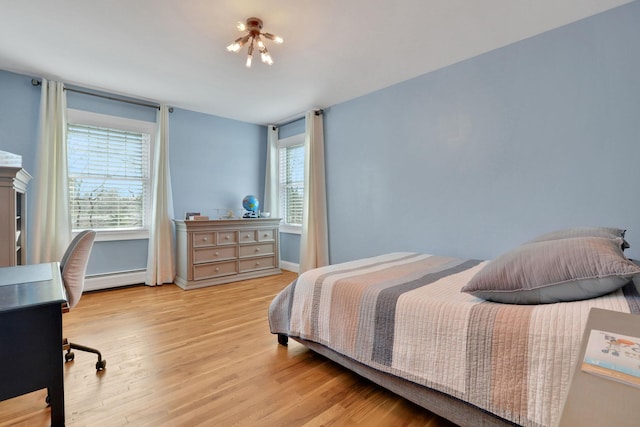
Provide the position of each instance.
(13, 211)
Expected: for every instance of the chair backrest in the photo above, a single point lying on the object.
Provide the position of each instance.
(74, 265)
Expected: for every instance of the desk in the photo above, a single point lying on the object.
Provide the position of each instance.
(31, 333)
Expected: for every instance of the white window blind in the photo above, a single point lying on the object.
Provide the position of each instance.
(108, 177)
(291, 183)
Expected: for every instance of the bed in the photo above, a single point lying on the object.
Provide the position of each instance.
(477, 342)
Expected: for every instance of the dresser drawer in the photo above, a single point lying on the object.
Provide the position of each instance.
(257, 263)
(204, 239)
(227, 237)
(247, 236)
(268, 235)
(205, 271)
(256, 250)
(219, 253)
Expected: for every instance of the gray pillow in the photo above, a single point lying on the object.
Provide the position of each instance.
(584, 232)
(568, 269)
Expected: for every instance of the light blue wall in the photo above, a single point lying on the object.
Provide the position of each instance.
(469, 160)
(19, 106)
(214, 161)
(475, 158)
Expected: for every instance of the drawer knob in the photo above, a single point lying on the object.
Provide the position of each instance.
(227, 237)
(217, 253)
(257, 249)
(205, 238)
(248, 235)
(257, 262)
(217, 268)
(265, 235)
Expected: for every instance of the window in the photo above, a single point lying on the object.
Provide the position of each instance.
(291, 182)
(109, 174)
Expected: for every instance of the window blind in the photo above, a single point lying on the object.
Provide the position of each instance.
(291, 179)
(108, 177)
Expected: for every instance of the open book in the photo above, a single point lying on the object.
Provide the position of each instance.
(613, 356)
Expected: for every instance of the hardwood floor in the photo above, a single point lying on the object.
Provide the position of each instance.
(203, 357)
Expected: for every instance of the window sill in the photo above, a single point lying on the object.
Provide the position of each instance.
(115, 235)
(290, 229)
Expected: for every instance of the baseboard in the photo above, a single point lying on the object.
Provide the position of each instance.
(286, 265)
(126, 278)
(114, 280)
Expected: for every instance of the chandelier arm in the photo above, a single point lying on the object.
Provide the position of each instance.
(250, 54)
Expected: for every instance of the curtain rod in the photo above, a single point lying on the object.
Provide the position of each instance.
(36, 82)
(317, 112)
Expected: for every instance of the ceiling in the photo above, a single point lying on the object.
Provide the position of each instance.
(174, 51)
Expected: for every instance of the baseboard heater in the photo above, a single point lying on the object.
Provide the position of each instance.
(113, 280)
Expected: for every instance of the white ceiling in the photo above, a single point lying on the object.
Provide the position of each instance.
(174, 51)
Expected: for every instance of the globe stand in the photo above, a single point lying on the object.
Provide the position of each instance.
(250, 214)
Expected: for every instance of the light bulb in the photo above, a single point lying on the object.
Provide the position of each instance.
(250, 55)
(276, 39)
(241, 26)
(237, 44)
(260, 44)
(266, 58)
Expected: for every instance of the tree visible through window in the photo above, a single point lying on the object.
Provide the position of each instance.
(108, 177)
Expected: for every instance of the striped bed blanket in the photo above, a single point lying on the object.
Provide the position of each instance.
(404, 314)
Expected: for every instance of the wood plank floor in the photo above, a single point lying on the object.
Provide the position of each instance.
(203, 357)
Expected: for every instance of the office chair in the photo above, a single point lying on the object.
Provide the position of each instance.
(73, 267)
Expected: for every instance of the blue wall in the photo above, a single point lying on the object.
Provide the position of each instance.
(205, 153)
(19, 111)
(215, 162)
(468, 161)
(475, 158)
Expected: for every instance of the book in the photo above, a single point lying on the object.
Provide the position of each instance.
(191, 215)
(613, 356)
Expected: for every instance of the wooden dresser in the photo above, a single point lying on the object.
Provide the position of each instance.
(226, 250)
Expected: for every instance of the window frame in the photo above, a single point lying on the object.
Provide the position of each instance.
(291, 141)
(88, 118)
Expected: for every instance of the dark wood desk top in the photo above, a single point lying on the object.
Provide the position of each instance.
(30, 285)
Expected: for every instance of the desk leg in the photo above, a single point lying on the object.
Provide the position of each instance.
(56, 400)
(56, 387)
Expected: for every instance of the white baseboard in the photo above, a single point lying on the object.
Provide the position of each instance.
(113, 280)
(126, 278)
(286, 265)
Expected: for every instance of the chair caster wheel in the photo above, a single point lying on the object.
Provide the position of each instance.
(68, 357)
(101, 364)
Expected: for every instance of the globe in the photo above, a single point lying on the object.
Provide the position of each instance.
(250, 203)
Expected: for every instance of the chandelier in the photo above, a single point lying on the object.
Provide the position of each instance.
(254, 37)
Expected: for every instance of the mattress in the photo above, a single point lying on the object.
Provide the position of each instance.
(403, 314)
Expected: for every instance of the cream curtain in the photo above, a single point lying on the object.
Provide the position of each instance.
(160, 259)
(314, 242)
(270, 203)
(51, 226)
